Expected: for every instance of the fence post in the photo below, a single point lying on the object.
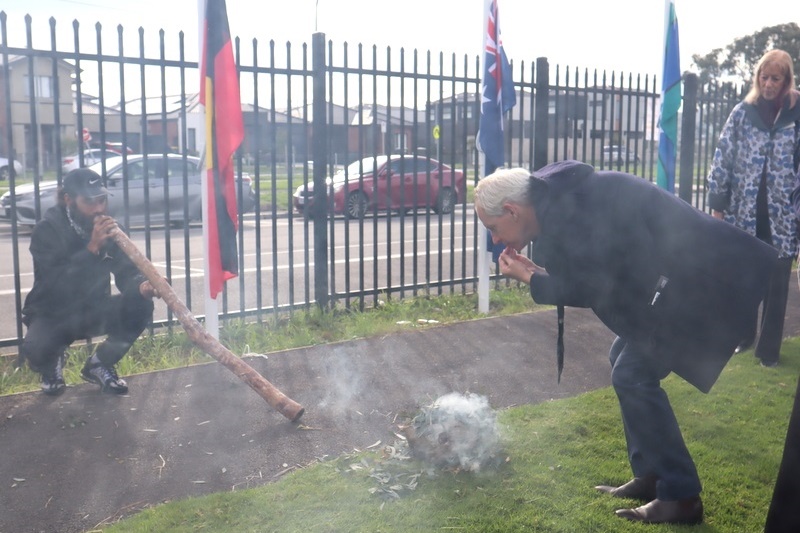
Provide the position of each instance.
(541, 112)
(319, 139)
(688, 123)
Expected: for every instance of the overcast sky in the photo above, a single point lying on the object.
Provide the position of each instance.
(622, 35)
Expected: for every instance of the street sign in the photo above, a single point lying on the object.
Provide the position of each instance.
(86, 135)
(436, 132)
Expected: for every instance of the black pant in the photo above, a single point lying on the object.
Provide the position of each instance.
(122, 317)
(784, 512)
(773, 312)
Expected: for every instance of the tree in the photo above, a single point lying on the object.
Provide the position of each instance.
(736, 63)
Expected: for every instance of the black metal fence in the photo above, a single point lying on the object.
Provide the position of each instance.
(308, 112)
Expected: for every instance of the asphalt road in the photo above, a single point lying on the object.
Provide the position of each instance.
(277, 263)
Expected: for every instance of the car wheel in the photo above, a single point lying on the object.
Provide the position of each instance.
(4, 173)
(446, 201)
(355, 205)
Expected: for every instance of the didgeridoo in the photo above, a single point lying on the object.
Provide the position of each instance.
(203, 340)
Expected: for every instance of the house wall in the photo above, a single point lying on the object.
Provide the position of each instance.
(36, 116)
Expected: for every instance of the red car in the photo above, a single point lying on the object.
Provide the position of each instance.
(389, 183)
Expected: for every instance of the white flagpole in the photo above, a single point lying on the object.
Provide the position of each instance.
(209, 304)
(667, 4)
(484, 258)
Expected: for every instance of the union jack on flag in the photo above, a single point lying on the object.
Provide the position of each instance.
(497, 93)
(497, 98)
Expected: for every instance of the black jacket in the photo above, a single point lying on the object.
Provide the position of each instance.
(68, 280)
(611, 241)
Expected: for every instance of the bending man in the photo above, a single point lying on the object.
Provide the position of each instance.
(676, 285)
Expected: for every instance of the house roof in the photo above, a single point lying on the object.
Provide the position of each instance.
(365, 114)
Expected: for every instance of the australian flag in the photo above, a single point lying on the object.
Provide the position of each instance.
(497, 98)
(497, 93)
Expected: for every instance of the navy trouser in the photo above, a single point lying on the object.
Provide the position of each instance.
(122, 317)
(655, 443)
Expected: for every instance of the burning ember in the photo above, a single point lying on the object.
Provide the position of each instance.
(456, 431)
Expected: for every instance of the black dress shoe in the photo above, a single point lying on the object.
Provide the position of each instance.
(639, 488)
(686, 511)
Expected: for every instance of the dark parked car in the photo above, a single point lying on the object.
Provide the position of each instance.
(618, 155)
(389, 183)
(160, 171)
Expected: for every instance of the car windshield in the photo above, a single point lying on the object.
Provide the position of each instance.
(354, 169)
(110, 162)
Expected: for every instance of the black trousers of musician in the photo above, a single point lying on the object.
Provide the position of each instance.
(122, 317)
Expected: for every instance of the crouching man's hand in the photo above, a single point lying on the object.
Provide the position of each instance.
(147, 290)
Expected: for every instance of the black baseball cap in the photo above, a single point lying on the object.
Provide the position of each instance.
(84, 182)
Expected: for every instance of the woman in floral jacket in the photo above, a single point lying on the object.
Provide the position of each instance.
(751, 182)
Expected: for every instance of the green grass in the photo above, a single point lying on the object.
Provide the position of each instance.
(556, 452)
(160, 351)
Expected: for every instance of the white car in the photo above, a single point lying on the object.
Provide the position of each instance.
(90, 157)
(154, 186)
(5, 169)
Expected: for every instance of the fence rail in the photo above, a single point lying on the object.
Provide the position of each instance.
(309, 111)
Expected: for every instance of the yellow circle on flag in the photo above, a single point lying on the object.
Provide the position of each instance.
(436, 132)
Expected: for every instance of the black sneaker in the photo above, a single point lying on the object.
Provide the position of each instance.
(53, 380)
(104, 376)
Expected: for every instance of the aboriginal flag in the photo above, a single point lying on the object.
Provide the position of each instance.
(219, 93)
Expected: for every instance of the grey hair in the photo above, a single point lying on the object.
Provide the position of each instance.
(503, 185)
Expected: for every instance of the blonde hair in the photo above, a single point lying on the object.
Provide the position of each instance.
(783, 61)
(503, 185)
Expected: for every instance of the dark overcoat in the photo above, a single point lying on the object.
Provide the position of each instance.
(655, 270)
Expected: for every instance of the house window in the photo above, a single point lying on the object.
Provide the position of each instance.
(399, 142)
(192, 139)
(42, 86)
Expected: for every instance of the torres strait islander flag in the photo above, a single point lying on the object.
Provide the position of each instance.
(219, 93)
(670, 102)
